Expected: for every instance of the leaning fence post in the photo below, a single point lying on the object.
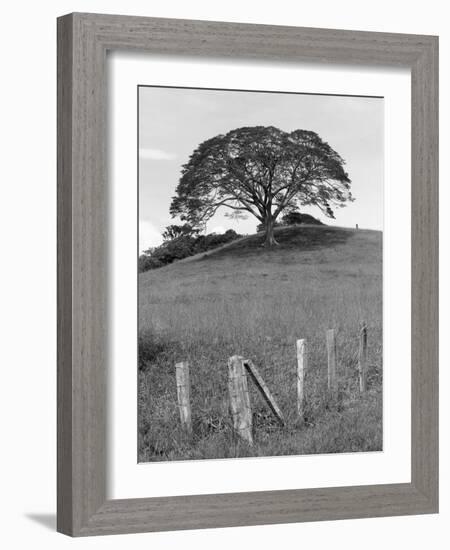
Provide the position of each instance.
(239, 399)
(362, 359)
(331, 349)
(183, 395)
(264, 390)
(302, 365)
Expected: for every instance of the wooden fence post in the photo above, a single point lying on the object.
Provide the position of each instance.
(362, 359)
(264, 390)
(239, 399)
(302, 365)
(183, 394)
(331, 349)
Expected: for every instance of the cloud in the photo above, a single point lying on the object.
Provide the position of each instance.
(218, 229)
(155, 154)
(149, 236)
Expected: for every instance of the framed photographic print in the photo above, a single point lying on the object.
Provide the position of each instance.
(247, 274)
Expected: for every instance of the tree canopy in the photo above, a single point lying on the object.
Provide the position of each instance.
(174, 231)
(262, 171)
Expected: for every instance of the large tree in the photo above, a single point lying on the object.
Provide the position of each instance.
(263, 171)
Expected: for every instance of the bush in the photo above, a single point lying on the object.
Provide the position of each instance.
(297, 218)
(147, 262)
(183, 247)
(150, 347)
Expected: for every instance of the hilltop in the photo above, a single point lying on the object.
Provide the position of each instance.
(298, 245)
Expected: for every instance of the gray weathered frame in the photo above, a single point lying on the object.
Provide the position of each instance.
(83, 40)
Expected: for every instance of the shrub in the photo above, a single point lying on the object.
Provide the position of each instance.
(181, 247)
(297, 218)
(150, 347)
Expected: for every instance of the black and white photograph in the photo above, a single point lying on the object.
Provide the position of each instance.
(260, 296)
(221, 266)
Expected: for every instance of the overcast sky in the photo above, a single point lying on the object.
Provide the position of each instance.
(174, 121)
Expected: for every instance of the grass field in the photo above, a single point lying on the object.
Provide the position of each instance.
(256, 302)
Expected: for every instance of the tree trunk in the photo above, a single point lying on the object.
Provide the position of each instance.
(270, 239)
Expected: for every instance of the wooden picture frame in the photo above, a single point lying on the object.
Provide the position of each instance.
(83, 40)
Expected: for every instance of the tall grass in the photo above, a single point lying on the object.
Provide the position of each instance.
(256, 303)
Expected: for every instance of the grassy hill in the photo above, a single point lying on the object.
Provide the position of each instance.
(256, 302)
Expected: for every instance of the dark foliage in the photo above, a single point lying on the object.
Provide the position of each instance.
(292, 218)
(297, 218)
(181, 247)
(150, 348)
(174, 231)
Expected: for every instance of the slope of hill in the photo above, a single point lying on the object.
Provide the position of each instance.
(256, 302)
